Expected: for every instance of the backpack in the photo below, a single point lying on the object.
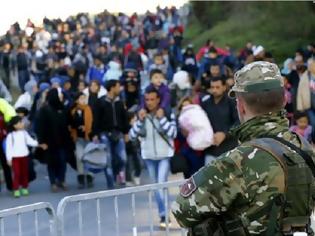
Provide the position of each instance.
(294, 209)
(298, 165)
(96, 155)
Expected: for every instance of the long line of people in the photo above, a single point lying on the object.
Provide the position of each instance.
(114, 92)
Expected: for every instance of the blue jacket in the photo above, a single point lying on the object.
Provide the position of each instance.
(95, 73)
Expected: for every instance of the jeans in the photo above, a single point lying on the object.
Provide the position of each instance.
(24, 77)
(158, 172)
(117, 157)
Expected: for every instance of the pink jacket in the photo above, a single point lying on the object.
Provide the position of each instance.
(195, 121)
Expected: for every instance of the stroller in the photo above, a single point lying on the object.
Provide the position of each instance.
(95, 160)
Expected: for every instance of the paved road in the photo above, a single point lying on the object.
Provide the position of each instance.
(40, 192)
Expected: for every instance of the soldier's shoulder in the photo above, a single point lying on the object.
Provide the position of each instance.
(247, 154)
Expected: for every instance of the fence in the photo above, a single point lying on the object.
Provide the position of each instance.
(115, 194)
(57, 221)
(28, 209)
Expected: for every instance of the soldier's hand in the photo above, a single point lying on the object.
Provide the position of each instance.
(219, 137)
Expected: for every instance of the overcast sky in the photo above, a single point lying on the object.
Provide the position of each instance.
(36, 10)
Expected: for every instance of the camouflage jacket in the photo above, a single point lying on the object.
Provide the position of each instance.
(239, 181)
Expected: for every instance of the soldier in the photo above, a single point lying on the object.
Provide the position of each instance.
(265, 186)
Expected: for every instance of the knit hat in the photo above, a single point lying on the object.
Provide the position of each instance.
(44, 86)
(55, 80)
(28, 87)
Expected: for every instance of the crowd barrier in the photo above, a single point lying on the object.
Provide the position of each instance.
(33, 209)
(71, 217)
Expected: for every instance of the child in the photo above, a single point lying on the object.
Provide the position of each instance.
(16, 153)
(23, 113)
(302, 126)
(194, 122)
(157, 81)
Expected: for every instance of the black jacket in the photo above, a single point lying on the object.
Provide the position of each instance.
(51, 125)
(110, 115)
(222, 116)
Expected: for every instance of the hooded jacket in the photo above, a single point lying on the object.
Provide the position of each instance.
(26, 99)
(113, 73)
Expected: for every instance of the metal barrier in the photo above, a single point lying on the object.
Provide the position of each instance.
(97, 196)
(17, 211)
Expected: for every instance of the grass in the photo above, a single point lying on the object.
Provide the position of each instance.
(280, 28)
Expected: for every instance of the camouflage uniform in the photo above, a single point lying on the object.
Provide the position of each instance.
(245, 178)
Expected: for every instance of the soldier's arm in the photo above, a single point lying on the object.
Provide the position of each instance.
(210, 191)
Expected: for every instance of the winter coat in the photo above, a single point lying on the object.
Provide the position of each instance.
(26, 99)
(51, 123)
(7, 110)
(77, 113)
(304, 93)
(96, 73)
(113, 73)
(110, 115)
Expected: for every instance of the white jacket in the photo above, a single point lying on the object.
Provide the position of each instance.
(17, 143)
(24, 100)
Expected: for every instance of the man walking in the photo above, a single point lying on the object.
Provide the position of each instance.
(111, 127)
(157, 132)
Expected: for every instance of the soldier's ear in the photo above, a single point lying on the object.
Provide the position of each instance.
(240, 106)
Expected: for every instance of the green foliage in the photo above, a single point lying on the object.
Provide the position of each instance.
(281, 27)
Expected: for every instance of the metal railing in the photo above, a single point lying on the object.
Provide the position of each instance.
(32, 208)
(98, 196)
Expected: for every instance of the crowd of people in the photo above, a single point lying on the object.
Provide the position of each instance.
(114, 86)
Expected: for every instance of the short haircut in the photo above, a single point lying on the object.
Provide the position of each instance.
(155, 71)
(110, 84)
(22, 110)
(95, 81)
(218, 78)
(14, 120)
(157, 55)
(213, 50)
(263, 102)
(152, 90)
(300, 114)
(78, 95)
